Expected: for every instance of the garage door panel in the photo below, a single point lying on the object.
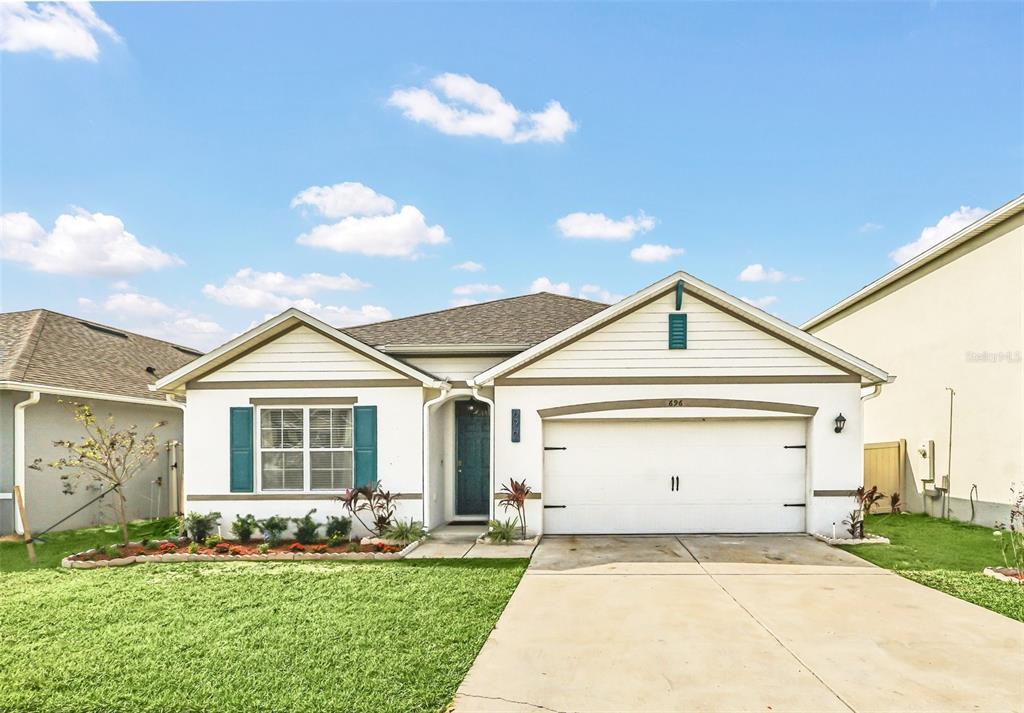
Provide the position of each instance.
(616, 476)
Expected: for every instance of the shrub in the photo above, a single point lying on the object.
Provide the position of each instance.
(353, 546)
(145, 543)
(502, 532)
(296, 547)
(244, 526)
(305, 528)
(193, 548)
(263, 548)
(199, 526)
(338, 527)
(236, 550)
(514, 496)
(222, 548)
(273, 527)
(378, 502)
(405, 531)
(168, 548)
(336, 540)
(212, 541)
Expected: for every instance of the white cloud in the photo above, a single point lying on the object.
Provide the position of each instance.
(80, 244)
(477, 288)
(935, 234)
(135, 305)
(654, 253)
(458, 105)
(870, 227)
(345, 199)
(463, 302)
(338, 316)
(543, 284)
(600, 227)
(150, 316)
(758, 273)
(599, 294)
(468, 266)
(761, 302)
(62, 29)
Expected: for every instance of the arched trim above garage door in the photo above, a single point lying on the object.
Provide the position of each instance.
(596, 406)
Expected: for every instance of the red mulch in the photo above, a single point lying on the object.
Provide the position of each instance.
(231, 547)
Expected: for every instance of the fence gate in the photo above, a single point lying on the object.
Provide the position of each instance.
(884, 467)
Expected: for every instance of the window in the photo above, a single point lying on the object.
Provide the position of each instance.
(305, 448)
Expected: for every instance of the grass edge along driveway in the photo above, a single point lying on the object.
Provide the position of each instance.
(946, 555)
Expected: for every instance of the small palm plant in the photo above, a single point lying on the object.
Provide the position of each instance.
(514, 495)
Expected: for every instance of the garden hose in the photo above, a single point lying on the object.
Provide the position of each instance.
(971, 496)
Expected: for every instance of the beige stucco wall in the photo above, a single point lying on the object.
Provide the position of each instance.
(957, 323)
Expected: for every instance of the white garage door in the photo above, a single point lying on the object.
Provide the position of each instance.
(621, 477)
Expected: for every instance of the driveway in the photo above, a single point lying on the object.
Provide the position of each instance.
(736, 623)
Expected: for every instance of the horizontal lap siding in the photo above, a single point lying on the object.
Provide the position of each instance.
(302, 354)
(456, 368)
(717, 343)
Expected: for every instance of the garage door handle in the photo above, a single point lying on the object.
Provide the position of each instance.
(554, 448)
(794, 505)
(554, 507)
(794, 446)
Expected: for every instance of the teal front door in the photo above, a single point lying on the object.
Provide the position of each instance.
(472, 458)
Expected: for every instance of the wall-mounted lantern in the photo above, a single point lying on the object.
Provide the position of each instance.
(840, 423)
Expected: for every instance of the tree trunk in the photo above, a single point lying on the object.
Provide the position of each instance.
(122, 515)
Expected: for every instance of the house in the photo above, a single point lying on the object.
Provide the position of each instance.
(679, 409)
(951, 322)
(46, 358)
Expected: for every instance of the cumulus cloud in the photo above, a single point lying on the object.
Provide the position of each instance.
(369, 223)
(458, 105)
(463, 302)
(65, 30)
(654, 253)
(151, 316)
(543, 284)
(80, 244)
(587, 291)
(870, 227)
(468, 266)
(935, 234)
(477, 288)
(758, 273)
(761, 302)
(345, 199)
(599, 294)
(599, 226)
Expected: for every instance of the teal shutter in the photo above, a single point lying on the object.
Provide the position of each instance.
(677, 331)
(365, 445)
(241, 449)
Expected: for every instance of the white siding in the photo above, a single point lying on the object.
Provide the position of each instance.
(637, 345)
(456, 368)
(302, 354)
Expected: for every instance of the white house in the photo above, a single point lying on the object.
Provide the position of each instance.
(951, 322)
(679, 409)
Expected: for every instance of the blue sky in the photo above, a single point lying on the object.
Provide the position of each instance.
(151, 152)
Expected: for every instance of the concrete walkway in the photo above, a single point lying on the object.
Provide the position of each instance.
(459, 541)
(717, 623)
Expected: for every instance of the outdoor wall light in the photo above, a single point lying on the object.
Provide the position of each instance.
(840, 423)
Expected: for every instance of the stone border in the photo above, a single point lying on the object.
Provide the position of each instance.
(69, 563)
(529, 542)
(991, 572)
(871, 540)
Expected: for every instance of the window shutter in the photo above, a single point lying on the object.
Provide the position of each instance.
(241, 449)
(365, 445)
(677, 331)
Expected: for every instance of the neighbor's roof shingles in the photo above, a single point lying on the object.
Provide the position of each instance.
(51, 349)
(523, 321)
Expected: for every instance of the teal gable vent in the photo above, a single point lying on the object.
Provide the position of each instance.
(677, 331)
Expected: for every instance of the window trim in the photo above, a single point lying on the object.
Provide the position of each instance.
(306, 449)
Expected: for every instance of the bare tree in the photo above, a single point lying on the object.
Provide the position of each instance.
(106, 455)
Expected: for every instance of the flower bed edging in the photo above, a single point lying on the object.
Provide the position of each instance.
(156, 557)
(996, 574)
(870, 540)
(530, 542)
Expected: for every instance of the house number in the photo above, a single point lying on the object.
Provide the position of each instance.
(676, 402)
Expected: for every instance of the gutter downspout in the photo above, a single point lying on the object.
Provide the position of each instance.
(877, 390)
(490, 411)
(174, 465)
(425, 488)
(19, 450)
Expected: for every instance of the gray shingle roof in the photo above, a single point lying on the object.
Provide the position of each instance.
(524, 321)
(51, 349)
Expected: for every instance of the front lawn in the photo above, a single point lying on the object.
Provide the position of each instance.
(946, 555)
(324, 636)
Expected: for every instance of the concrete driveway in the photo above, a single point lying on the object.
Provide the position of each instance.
(736, 623)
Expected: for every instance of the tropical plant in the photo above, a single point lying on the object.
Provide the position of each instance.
(379, 503)
(105, 454)
(855, 524)
(193, 547)
(200, 526)
(212, 541)
(514, 496)
(1013, 539)
(502, 533)
(273, 528)
(338, 528)
(243, 527)
(305, 528)
(405, 531)
(866, 499)
(894, 503)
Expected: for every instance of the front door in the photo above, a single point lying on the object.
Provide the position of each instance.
(472, 458)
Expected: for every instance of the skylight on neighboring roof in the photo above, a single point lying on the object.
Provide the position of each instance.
(104, 330)
(186, 350)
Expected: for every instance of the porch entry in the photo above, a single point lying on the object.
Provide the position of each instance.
(472, 458)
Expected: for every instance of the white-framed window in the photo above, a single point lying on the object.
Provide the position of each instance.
(305, 448)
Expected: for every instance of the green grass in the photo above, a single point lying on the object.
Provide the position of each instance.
(946, 555)
(274, 636)
(57, 545)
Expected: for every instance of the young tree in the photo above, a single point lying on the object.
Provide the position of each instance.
(105, 454)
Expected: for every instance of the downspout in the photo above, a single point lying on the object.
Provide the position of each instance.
(174, 465)
(490, 411)
(19, 450)
(425, 487)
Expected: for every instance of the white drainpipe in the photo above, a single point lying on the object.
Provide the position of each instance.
(19, 451)
(425, 489)
(491, 485)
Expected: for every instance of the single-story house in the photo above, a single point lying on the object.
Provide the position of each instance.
(46, 358)
(951, 322)
(679, 409)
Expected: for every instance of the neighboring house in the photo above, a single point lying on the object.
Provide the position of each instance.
(46, 358)
(679, 409)
(950, 318)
